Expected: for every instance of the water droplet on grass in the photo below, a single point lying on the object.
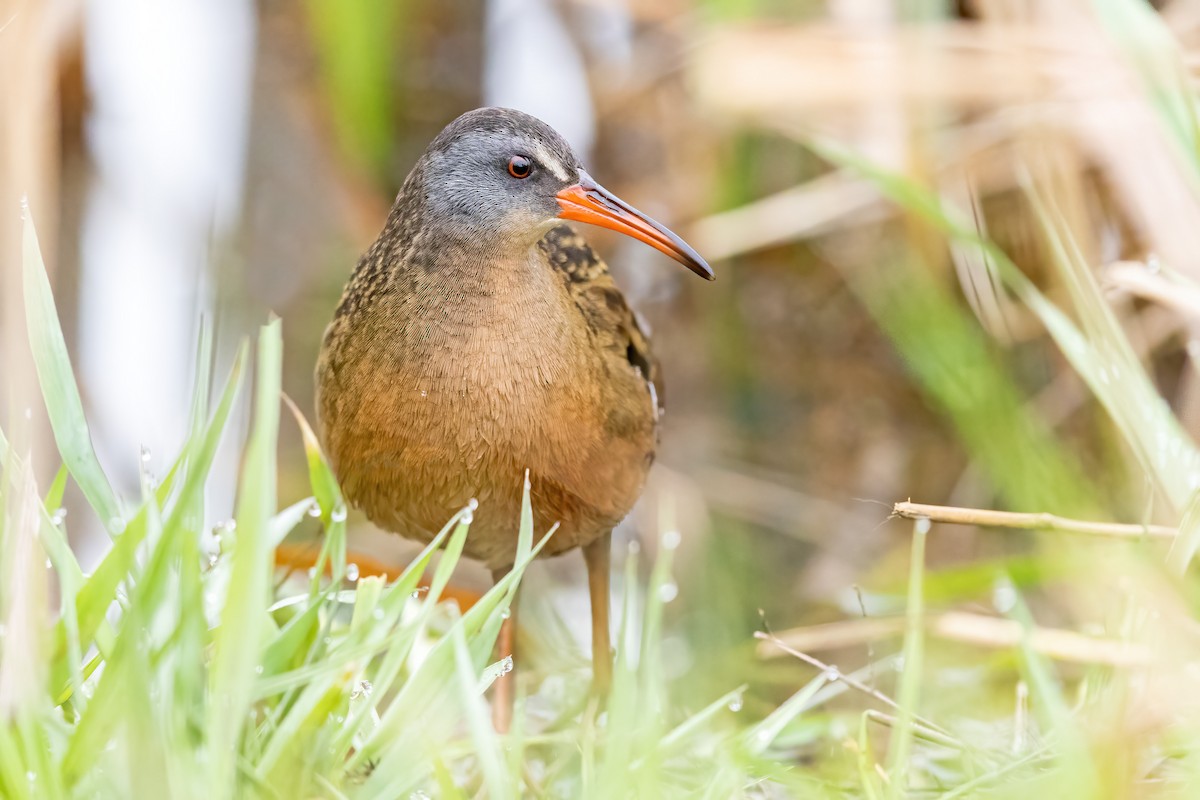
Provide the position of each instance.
(258, 670)
(59, 515)
(145, 453)
(506, 613)
(670, 540)
(352, 572)
(1004, 597)
(668, 592)
(735, 704)
(362, 689)
(116, 526)
(338, 514)
(506, 665)
(314, 510)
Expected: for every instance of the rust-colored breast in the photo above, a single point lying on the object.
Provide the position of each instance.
(438, 390)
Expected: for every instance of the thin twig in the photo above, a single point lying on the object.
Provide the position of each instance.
(834, 674)
(1036, 521)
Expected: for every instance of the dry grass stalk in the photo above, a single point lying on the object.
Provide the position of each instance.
(1140, 280)
(1039, 521)
(826, 66)
(959, 626)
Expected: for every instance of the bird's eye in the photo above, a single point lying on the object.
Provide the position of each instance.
(520, 167)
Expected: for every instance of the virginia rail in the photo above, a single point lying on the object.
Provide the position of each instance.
(479, 337)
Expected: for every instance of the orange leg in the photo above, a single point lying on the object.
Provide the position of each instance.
(504, 689)
(598, 557)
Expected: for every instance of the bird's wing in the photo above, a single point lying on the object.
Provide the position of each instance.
(614, 323)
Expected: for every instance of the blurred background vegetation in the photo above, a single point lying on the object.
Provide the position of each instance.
(864, 175)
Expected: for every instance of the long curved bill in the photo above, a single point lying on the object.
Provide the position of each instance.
(588, 201)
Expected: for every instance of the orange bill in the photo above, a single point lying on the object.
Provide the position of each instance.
(588, 201)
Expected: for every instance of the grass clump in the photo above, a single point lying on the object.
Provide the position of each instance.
(180, 667)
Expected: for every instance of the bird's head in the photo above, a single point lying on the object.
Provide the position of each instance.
(506, 176)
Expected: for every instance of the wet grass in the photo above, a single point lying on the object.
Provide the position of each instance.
(180, 667)
(185, 665)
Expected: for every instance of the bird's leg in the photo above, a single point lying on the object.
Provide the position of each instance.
(504, 688)
(598, 556)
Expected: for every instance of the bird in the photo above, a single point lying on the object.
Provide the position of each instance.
(479, 340)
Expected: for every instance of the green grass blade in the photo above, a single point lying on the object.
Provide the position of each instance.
(123, 674)
(329, 497)
(623, 700)
(757, 738)
(54, 495)
(198, 416)
(99, 590)
(487, 748)
(324, 484)
(1103, 356)
(316, 701)
(288, 648)
(237, 642)
(910, 678)
(1047, 700)
(1159, 58)
(70, 579)
(678, 737)
(525, 527)
(63, 403)
(286, 521)
(355, 42)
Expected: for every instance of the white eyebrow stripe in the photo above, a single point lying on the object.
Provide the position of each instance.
(551, 163)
